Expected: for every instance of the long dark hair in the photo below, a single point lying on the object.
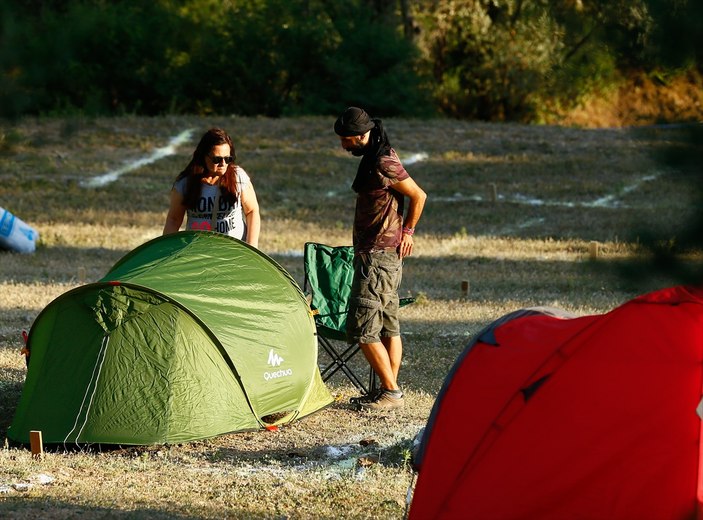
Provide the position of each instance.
(379, 145)
(196, 169)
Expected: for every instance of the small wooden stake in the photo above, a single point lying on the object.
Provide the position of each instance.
(593, 250)
(465, 287)
(35, 441)
(81, 275)
(492, 191)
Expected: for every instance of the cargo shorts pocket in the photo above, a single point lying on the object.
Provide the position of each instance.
(389, 278)
(364, 321)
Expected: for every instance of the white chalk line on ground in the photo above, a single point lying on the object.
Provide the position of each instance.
(159, 153)
(607, 201)
(415, 158)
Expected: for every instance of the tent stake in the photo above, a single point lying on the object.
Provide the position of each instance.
(35, 441)
(492, 191)
(593, 250)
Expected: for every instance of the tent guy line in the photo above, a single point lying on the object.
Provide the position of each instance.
(159, 153)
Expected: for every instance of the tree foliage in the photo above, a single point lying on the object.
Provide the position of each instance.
(677, 37)
(488, 59)
(485, 59)
(245, 57)
(500, 60)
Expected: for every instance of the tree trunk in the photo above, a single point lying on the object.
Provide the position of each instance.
(408, 22)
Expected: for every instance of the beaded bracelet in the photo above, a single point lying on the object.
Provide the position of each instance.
(408, 231)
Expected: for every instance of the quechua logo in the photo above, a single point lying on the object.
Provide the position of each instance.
(275, 360)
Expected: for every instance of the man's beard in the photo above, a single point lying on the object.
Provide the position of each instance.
(358, 152)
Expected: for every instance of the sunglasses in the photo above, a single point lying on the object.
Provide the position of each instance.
(217, 159)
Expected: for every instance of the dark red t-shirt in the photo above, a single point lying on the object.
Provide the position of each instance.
(378, 220)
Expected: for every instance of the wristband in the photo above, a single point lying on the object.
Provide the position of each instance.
(408, 231)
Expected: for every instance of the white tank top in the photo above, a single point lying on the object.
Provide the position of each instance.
(230, 218)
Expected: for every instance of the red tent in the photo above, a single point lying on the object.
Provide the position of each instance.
(549, 416)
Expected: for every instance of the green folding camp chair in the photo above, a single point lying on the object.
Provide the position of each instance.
(328, 278)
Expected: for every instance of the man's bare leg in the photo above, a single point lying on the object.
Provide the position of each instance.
(394, 347)
(385, 357)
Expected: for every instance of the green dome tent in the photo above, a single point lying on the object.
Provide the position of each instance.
(189, 336)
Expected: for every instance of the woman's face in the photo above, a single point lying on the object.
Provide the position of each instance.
(217, 160)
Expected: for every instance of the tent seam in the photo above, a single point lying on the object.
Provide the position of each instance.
(93, 380)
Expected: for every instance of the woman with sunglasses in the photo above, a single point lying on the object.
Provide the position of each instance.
(215, 193)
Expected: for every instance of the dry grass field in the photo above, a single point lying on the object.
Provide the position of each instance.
(512, 209)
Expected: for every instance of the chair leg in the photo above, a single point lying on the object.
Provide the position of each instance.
(339, 362)
(374, 383)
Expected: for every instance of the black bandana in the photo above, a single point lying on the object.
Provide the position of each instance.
(354, 121)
